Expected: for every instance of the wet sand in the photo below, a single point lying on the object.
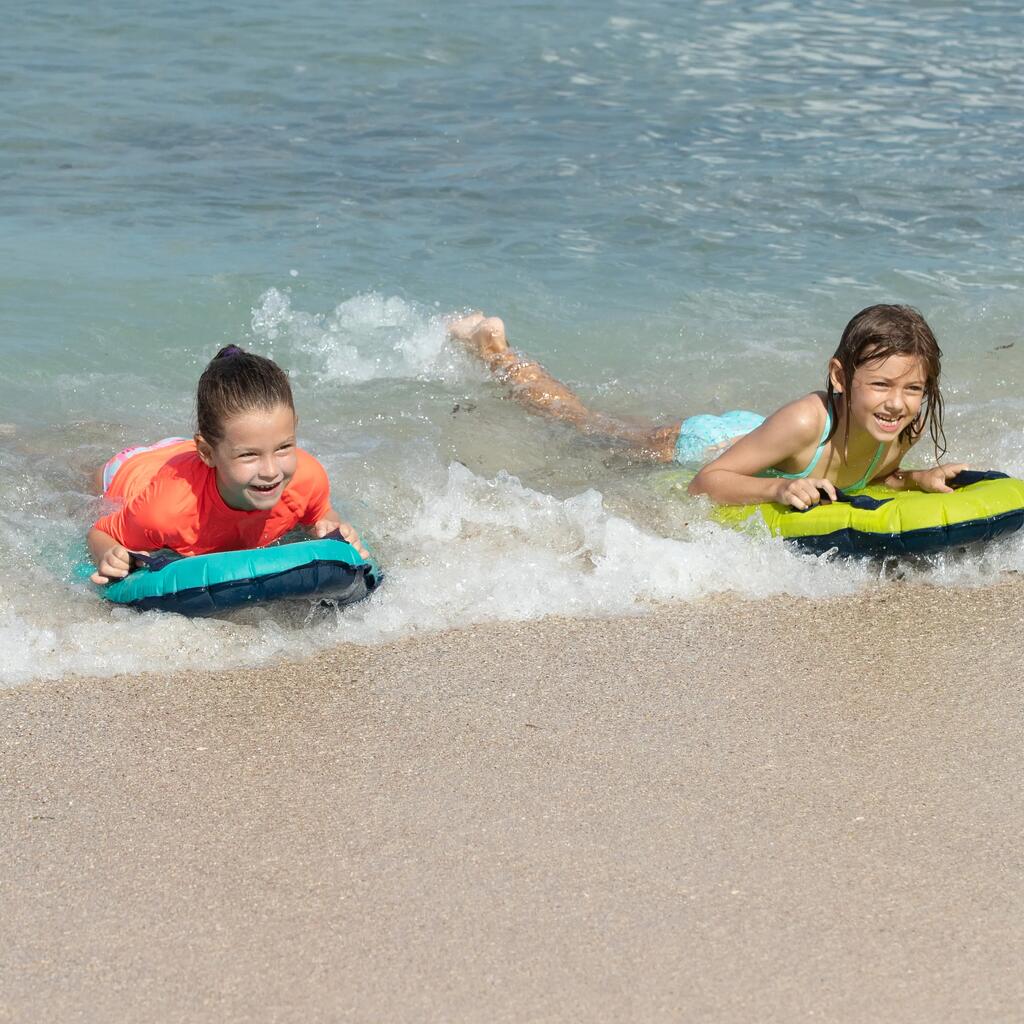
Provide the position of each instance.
(683, 816)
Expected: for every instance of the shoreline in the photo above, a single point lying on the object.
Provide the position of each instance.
(688, 814)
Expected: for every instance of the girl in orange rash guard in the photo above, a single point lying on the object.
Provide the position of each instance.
(240, 483)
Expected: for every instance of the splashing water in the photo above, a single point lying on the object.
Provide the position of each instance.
(676, 208)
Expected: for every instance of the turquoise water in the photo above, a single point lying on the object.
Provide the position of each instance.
(675, 206)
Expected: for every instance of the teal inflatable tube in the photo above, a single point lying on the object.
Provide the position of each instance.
(203, 584)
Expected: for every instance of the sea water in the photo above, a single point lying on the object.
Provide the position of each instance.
(676, 207)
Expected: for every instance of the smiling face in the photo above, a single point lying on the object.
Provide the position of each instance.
(886, 395)
(255, 459)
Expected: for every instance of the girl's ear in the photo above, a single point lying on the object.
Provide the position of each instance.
(835, 373)
(205, 450)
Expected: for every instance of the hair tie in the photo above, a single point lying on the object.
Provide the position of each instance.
(231, 350)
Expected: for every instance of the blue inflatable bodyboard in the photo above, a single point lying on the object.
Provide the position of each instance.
(203, 584)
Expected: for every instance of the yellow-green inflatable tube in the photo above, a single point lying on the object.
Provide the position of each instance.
(878, 521)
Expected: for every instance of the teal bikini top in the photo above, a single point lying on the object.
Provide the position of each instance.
(862, 482)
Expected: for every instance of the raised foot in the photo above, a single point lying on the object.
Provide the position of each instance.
(483, 336)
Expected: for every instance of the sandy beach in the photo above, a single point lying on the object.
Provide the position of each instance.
(680, 816)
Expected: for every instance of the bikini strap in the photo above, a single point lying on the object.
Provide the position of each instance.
(821, 444)
(866, 478)
(814, 460)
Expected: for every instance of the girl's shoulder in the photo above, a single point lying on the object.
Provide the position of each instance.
(310, 476)
(308, 465)
(174, 492)
(804, 418)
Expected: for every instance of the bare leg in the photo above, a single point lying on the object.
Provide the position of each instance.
(535, 388)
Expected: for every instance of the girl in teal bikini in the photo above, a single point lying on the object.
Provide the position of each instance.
(881, 392)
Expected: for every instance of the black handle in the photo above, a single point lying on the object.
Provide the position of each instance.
(861, 501)
(336, 535)
(154, 563)
(973, 476)
(964, 478)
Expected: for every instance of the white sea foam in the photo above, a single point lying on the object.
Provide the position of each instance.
(473, 549)
(458, 546)
(762, 172)
(366, 337)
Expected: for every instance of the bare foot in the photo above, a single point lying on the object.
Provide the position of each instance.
(459, 327)
(483, 336)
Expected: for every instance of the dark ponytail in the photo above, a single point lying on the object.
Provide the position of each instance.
(236, 382)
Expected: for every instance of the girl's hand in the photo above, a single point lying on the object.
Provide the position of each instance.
(802, 494)
(935, 480)
(323, 527)
(115, 564)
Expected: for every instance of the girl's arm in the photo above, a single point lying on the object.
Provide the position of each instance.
(934, 480)
(320, 517)
(331, 521)
(731, 478)
(112, 559)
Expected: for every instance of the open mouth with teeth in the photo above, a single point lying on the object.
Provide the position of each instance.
(888, 422)
(264, 488)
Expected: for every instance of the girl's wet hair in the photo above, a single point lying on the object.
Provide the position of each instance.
(881, 331)
(236, 382)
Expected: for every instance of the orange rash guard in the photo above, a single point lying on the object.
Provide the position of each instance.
(171, 501)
